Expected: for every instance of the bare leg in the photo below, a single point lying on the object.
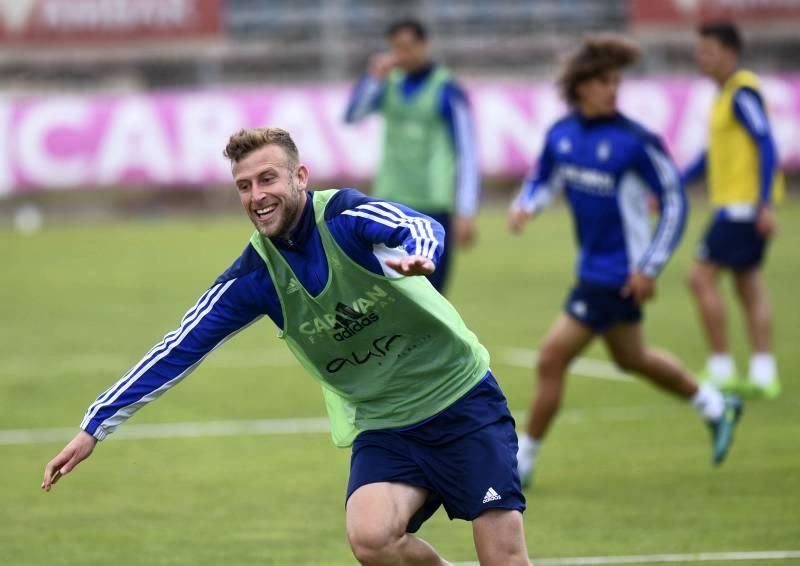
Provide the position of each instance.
(500, 538)
(565, 340)
(377, 516)
(703, 281)
(753, 295)
(626, 345)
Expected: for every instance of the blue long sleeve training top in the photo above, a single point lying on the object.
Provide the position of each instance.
(368, 230)
(606, 167)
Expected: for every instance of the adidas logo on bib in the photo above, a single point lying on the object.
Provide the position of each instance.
(293, 286)
(491, 495)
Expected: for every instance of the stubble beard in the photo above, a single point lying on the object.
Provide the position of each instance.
(289, 209)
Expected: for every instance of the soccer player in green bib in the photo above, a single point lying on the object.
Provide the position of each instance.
(405, 382)
(429, 159)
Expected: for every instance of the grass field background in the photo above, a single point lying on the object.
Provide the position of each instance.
(626, 471)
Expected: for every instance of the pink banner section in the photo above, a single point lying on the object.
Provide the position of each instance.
(176, 139)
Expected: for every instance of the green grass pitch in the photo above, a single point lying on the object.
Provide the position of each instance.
(626, 471)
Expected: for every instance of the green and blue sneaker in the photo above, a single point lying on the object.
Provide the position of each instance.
(722, 429)
(768, 392)
(732, 384)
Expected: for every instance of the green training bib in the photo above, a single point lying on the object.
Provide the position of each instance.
(418, 167)
(389, 352)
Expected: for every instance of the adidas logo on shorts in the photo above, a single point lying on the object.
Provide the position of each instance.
(491, 495)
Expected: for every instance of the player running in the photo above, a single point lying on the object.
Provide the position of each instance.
(607, 165)
(429, 157)
(405, 381)
(743, 181)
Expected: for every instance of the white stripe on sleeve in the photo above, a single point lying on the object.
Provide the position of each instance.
(141, 369)
(752, 111)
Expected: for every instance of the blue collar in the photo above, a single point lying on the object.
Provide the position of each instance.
(300, 235)
(421, 73)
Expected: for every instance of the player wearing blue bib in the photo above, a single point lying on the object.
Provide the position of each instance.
(608, 166)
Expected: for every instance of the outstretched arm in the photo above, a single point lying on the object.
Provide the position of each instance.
(219, 314)
(375, 233)
(538, 190)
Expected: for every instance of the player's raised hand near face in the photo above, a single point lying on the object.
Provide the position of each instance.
(412, 265)
(640, 287)
(380, 64)
(78, 449)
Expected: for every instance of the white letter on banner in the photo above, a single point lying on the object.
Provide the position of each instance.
(6, 173)
(504, 130)
(41, 164)
(782, 118)
(135, 140)
(647, 103)
(359, 145)
(691, 136)
(205, 122)
(296, 113)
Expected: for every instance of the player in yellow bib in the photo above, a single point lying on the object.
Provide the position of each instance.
(743, 179)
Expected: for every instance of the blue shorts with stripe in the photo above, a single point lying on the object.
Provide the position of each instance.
(600, 307)
(733, 244)
(465, 457)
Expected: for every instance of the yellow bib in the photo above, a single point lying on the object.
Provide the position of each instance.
(733, 160)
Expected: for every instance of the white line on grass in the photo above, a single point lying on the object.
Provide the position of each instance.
(662, 558)
(587, 367)
(310, 425)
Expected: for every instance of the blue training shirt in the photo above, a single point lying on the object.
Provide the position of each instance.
(606, 167)
(368, 230)
(367, 97)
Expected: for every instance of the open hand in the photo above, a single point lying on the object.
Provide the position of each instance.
(517, 218)
(380, 65)
(78, 449)
(412, 265)
(464, 231)
(765, 222)
(640, 287)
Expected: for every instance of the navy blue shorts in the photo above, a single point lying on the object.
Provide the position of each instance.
(600, 307)
(736, 245)
(466, 457)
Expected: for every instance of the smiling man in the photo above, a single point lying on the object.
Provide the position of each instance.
(405, 381)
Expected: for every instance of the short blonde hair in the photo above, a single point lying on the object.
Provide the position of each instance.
(246, 141)
(598, 54)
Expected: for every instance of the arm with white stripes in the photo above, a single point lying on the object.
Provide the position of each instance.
(220, 313)
(366, 98)
(660, 174)
(395, 225)
(541, 186)
(749, 110)
(458, 117)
